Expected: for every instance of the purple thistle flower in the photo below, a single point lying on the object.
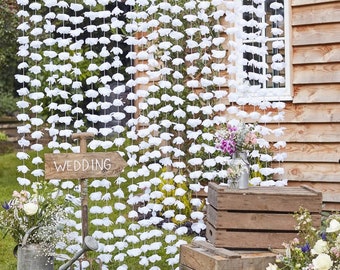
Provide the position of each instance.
(323, 236)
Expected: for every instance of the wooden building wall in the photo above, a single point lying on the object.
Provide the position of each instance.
(313, 117)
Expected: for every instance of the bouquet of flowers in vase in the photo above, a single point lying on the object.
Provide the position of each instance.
(236, 137)
(313, 249)
(41, 213)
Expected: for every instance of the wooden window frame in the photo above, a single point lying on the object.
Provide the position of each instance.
(279, 93)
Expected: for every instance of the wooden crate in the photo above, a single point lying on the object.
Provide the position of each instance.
(258, 217)
(205, 256)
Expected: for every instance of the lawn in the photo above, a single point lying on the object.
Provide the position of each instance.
(8, 183)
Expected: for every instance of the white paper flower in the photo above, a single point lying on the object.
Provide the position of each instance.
(198, 227)
(266, 171)
(119, 206)
(196, 202)
(95, 196)
(195, 174)
(195, 187)
(168, 226)
(38, 172)
(23, 181)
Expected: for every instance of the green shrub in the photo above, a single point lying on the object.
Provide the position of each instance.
(8, 45)
(8, 105)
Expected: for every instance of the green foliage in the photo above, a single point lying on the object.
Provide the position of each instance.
(182, 206)
(3, 137)
(8, 105)
(8, 50)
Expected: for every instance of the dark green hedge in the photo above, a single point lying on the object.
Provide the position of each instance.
(8, 58)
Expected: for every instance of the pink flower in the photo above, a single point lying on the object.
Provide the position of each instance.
(16, 194)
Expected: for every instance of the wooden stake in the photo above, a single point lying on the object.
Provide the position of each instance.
(83, 137)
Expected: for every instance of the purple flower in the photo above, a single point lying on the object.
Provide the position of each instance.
(227, 146)
(323, 236)
(6, 205)
(305, 248)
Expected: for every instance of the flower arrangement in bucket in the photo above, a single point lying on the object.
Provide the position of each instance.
(313, 249)
(34, 218)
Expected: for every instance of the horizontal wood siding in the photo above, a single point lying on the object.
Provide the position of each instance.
(312, 120)
(321, 14)
(316, 34)
(311, 2)
(329, 53)
(313, 152)
(317, 93)
(316, 73)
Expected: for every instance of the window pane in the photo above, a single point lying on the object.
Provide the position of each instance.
(263, 41)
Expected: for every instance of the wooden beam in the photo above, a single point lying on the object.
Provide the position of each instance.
(316, 34)
(316, 73)
(316, 14)
(312, 113)
(312, 172)
(317, 93)
(311, 2)
(312, 152)
(316, 54)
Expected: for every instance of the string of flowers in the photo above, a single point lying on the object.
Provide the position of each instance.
(169, 100)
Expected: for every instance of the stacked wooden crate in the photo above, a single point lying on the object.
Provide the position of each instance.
(244, 227)
(258, 217)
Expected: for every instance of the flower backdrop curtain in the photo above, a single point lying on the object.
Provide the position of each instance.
(152, 80)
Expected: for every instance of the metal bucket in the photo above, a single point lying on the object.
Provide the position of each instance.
(33, 256)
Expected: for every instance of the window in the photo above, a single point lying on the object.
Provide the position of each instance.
(265, 42)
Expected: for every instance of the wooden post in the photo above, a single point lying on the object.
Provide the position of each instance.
(82, 166)
(83, 137)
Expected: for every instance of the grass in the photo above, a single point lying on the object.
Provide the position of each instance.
(8, 183)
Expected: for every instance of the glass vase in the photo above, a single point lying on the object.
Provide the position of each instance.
(243, 179)
(233, 183)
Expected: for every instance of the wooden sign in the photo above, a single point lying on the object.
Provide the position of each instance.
(83, 165)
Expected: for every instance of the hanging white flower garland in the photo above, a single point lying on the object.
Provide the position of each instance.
(168, 116)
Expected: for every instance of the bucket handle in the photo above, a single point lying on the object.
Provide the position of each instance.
(27, 234)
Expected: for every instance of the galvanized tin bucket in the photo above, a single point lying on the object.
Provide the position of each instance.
(33, 256)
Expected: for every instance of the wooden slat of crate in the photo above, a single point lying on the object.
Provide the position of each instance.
(254, 220)
(282, 199)
(205, 256)
(248, 239)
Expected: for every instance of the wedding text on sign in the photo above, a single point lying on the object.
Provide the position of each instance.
(83, 165)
